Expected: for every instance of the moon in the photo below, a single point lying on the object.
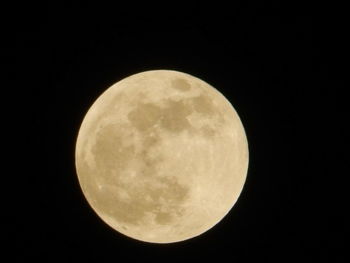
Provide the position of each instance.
(161, 156)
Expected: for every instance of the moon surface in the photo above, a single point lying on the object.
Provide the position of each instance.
(161, 156)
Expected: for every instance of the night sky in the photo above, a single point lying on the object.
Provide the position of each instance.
(278, 65)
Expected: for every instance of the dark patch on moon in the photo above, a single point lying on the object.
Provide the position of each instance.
(208, 131)
(172, 117)
(175, 116)
(203, 104)
(163, 218)
(144, 116)
(180, 84)
(133, 210)
(109, 152)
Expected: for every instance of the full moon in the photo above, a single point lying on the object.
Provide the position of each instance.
(161, 156)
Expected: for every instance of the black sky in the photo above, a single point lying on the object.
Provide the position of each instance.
(278, 65)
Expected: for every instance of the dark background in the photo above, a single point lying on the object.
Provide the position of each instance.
(280, 67)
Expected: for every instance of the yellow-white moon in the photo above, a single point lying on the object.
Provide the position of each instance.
(161, 156)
